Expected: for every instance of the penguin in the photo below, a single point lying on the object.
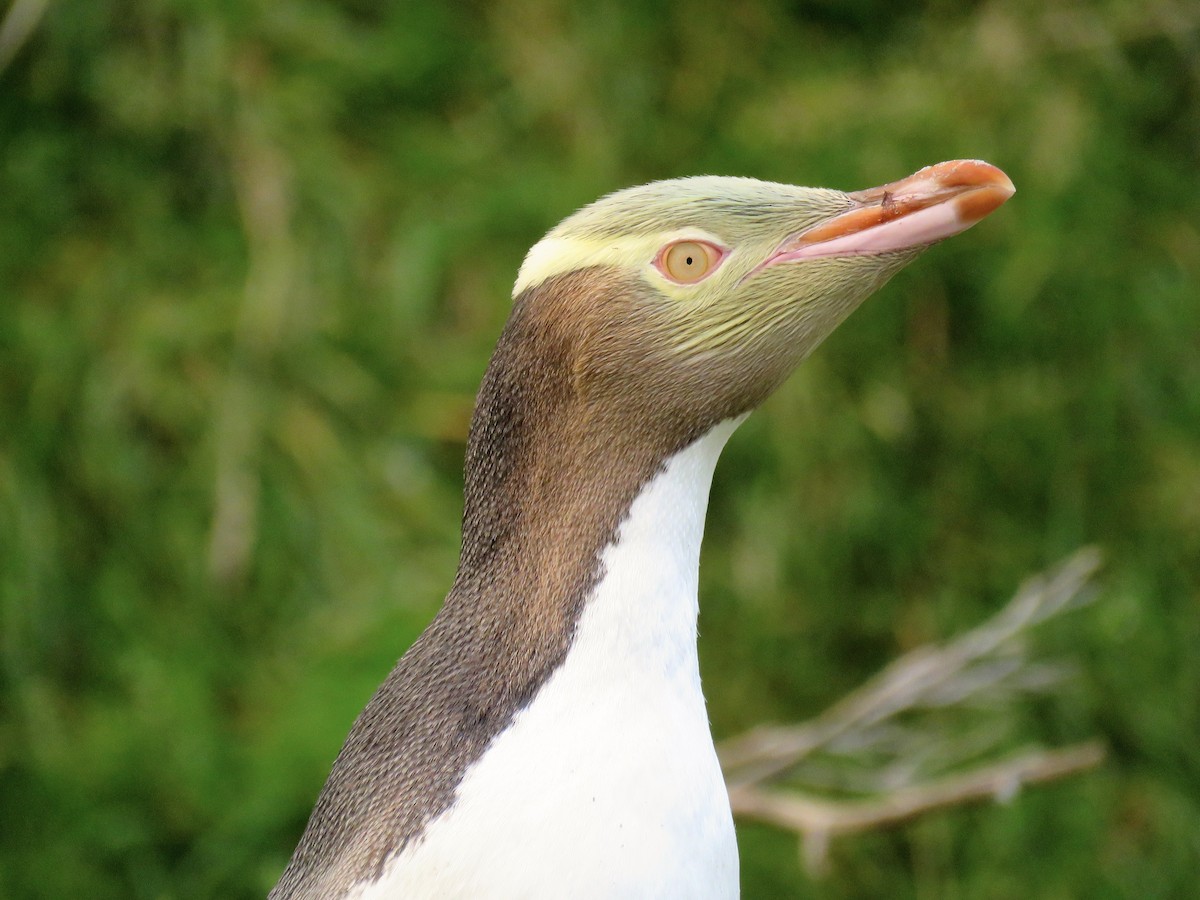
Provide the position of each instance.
(546, 736)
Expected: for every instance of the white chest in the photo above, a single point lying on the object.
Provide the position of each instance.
(607, 784)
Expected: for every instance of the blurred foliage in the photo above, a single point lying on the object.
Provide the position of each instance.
(253, 257)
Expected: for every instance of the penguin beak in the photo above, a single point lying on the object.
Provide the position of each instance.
(935, 203)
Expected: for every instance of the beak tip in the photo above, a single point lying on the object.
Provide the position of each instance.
(984, 187)
(968, 173)
(980, 202)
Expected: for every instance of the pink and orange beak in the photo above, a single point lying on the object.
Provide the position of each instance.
(935, 203)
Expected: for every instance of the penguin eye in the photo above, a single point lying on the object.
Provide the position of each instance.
(686, 262)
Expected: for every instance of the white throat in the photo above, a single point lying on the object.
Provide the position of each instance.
(644, 609)
(607, 784)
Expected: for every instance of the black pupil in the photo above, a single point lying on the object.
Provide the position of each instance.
(689, 260)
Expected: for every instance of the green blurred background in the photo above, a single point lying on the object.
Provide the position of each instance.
(254, 256)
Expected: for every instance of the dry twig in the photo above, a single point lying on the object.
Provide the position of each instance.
(975, 672)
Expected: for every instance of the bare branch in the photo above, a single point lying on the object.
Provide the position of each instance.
(972, 666)
(818, 820)
(891, 737)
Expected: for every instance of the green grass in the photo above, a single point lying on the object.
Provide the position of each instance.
(253, 258)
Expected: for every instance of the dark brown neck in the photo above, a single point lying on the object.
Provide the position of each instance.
(565, 434)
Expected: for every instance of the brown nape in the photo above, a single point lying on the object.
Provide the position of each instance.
(581, 405)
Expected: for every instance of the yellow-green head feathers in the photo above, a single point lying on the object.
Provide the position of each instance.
(736, 275)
